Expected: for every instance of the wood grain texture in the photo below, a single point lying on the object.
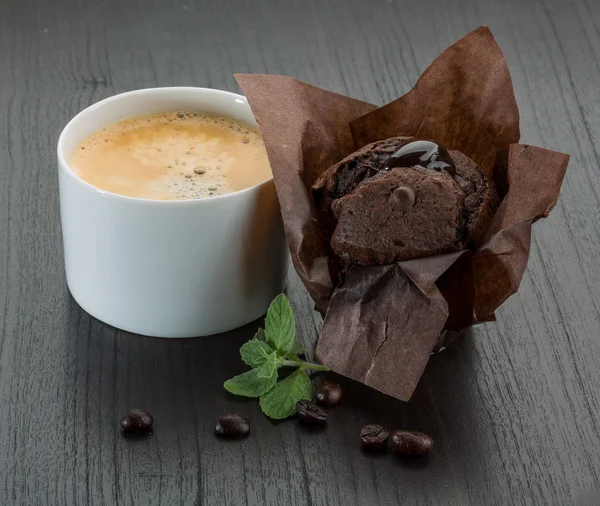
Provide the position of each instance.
(514, 407)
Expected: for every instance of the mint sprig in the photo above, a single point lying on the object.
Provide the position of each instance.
(280, 327)
(280, 401)
(251, 384)
(256, 352)
(272, 348)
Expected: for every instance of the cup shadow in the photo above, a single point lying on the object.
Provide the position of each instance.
(180, 381)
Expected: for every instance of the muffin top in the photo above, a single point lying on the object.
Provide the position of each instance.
(402, 198)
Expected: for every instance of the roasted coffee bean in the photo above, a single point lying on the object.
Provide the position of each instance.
(374, 436)
(234, 426)
(309, 413)
(329, 393)
(137, 420)
(412, 443)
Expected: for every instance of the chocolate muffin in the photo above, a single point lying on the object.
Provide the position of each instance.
(481, 200)
(398, 214)
(388, 203)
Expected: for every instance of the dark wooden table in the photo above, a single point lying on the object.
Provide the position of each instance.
(514, 407)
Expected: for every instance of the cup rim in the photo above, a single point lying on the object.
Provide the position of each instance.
(66, 167)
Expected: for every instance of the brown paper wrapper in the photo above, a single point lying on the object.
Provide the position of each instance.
(382, 323)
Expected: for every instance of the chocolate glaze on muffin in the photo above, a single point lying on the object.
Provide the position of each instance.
(381, 213)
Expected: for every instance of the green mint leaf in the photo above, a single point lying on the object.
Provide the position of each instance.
(269, 367)
(256, 352)
(298, 348)
(251, 383)
(280, 401)
(260, 335)
(279, 325)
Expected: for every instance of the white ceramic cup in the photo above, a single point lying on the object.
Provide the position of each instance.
(169, 268)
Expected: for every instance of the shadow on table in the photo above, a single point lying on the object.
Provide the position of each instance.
(181, 382)
(172, 378)
(444, 405)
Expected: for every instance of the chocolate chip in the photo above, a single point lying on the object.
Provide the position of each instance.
(412, 443)
(181, 115)
(232, 426)
(403, 198)
(329, 393)
(137, 420)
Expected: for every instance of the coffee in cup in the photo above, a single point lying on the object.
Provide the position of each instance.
(176, 155)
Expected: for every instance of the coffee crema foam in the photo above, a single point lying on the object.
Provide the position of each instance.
(173, 156)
